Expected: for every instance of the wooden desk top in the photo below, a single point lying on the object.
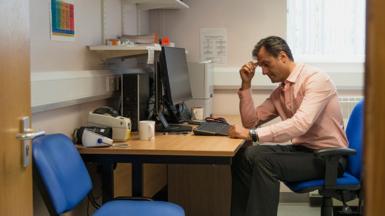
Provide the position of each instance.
(183, 145)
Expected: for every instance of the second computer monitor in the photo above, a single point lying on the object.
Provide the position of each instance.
(175, 75)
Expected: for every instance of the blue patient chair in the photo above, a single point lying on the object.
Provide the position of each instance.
(66, 182)
(346, 187)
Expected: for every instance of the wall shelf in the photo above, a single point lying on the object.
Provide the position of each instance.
(107, 52)
(159, 4)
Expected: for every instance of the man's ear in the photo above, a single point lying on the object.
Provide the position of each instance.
(283, 56)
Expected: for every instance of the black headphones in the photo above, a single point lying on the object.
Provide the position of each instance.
(106, 110)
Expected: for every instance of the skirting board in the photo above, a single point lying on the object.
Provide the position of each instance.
(55, 89)
(346, 76)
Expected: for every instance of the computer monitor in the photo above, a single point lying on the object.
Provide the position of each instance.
(175, 79)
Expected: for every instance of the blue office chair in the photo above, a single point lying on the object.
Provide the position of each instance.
(66, 182)
(346, 187)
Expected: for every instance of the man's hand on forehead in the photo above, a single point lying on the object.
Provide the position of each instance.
(255, 62)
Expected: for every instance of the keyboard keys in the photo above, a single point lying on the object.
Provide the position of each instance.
(212, 129)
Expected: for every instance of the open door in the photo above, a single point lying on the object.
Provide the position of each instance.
(374, 144)
(15, 179)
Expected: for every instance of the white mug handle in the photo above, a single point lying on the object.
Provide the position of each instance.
(151, 132)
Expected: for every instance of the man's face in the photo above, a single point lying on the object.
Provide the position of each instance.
(273, 67)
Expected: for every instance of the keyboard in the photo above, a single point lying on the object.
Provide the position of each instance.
(212, 129)
(174, 128)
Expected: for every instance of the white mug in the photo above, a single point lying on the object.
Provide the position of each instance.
(147, 130)
(197, 113)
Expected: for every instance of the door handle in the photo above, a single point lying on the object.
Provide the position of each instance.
(26, 135)
(29, 135)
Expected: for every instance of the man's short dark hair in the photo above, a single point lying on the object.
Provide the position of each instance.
(273, 45)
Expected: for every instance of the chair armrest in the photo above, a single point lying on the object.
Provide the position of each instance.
(331, 156)
(328, 152)
(133, 198)
(96, 205)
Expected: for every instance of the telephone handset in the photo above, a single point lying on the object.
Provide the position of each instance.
(106, 110)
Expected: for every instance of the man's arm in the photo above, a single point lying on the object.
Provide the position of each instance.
(253, 116)
(250, 115)
(318, 91)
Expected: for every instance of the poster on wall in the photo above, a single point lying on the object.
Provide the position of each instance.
(213, 43)
(62, 20)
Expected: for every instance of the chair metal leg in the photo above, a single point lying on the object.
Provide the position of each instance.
(327, 206)
(361, 202)
(346, 210)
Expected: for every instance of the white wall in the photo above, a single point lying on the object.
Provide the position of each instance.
(47, 55)
(112, 19)
(136, 21)
(246, 21)
(52, 56)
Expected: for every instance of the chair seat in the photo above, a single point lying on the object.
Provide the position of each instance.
(344, 181)
(135, 207)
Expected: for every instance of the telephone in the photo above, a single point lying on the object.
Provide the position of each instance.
(108, 117)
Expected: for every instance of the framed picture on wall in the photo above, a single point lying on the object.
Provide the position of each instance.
(62, 20)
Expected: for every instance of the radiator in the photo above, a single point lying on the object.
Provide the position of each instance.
(347, 104)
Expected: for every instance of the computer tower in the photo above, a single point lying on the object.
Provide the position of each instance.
(135, 93)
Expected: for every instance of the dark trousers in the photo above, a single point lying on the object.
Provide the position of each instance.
(257, 171)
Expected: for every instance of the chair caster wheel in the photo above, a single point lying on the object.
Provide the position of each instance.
(346, 210)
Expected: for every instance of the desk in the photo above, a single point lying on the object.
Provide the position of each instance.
(167, 149)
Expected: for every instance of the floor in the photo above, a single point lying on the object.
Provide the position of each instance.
(298, 209)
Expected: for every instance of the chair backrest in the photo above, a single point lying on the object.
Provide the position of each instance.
(62, 171)
(354, 132)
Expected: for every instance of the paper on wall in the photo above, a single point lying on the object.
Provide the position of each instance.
(150, 55)
(213, 45)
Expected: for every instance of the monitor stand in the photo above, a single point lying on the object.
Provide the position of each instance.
(164, 126)
(179, 113)
(184, 112)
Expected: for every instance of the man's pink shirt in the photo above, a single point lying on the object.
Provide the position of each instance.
(308, 105)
